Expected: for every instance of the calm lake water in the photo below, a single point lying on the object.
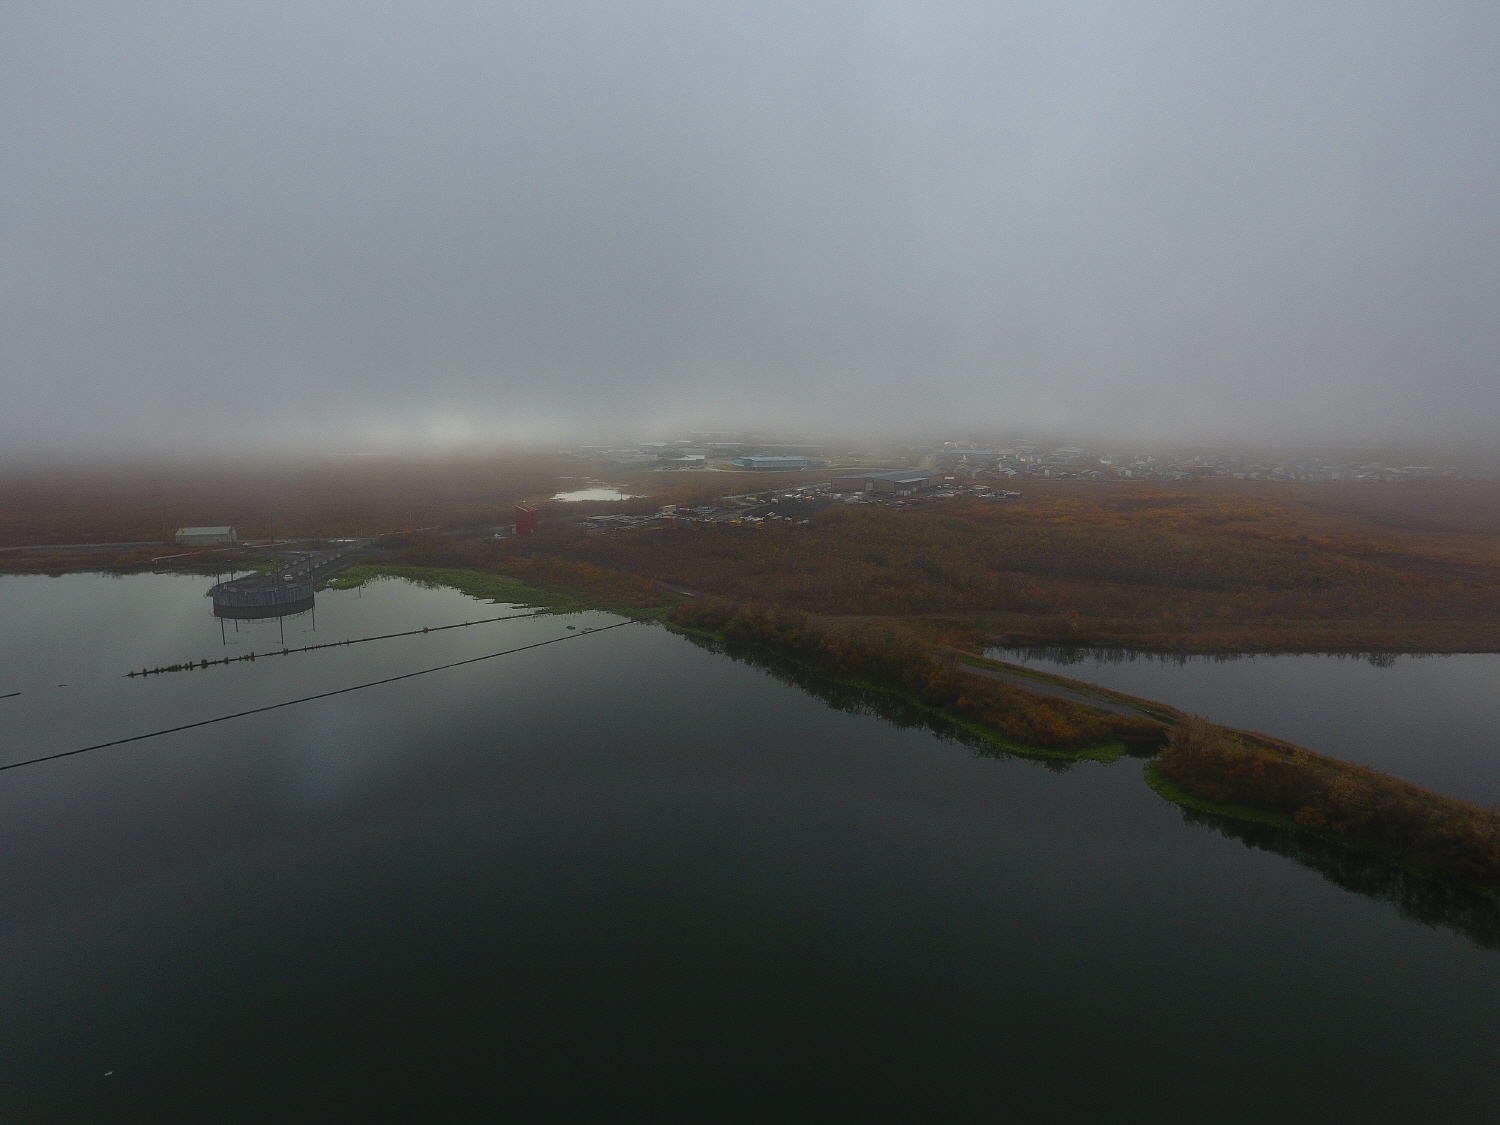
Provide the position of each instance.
(598, 493)
(1433, 720)
(625, 876)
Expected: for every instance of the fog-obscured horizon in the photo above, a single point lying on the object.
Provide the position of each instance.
(378, 227)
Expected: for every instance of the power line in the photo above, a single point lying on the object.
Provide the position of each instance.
(307, 698)
(191, 664)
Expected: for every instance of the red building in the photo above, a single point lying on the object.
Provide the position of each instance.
(525, 519)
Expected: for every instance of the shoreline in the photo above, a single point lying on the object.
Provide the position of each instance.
(1444, 861)
(1165, 788)
(1451, 864)
(483, 584)
(1330, 637)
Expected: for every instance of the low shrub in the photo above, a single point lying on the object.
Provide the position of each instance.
(893, 657)
(1446, 836)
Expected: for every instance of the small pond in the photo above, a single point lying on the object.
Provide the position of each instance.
(596, 493)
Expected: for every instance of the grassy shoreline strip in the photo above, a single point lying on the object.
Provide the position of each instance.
(492, 586)
(475, 583)
(900, 664)
(1166, 788)
(1169, 790)
(1254, 779)
(1104, 753)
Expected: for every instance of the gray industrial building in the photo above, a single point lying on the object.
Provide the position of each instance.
(770, 462)
(902, 480)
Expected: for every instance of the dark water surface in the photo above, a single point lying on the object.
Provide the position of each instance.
(623, 876)
(1433, 720)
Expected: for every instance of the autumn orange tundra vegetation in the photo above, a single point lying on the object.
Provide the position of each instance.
(891, 596)
(1208, 565)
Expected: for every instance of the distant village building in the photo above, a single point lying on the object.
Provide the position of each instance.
(525, 520)
(205, 536)
(951, 458)
(620, 458)
(770, 462)
(900, 481)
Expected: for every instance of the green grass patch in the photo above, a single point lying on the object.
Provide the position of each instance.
(1166, 787)
(476, 583)
(492, 587)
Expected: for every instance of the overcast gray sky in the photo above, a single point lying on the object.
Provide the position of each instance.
(375, 225)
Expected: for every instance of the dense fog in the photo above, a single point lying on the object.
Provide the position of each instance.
(376, 226)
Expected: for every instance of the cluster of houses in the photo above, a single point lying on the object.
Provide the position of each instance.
(794, 507)
(744, 511)
(697, 455)
(1069, 462)
(971, 462)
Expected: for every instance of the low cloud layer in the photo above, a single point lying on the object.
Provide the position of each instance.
(368, 226)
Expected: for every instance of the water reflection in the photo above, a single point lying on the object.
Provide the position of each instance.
(281, 614)
(1429, 901)
(594, 494)
(561, 883)
(854, 699)
(261, 612)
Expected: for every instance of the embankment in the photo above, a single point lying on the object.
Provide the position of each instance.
(888, 658)
(1260, 780)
